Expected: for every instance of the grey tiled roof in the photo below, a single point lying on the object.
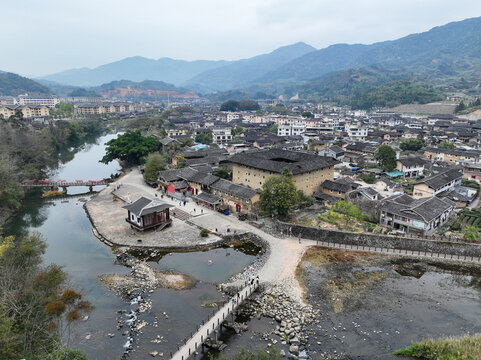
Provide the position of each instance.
(443, 178)
(424, 209)
(275, 160)
(144, 206)
(233, 189)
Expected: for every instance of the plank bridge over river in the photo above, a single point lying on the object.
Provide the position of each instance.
(64, 184)
(209, 327)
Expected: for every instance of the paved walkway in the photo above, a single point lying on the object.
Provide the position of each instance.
(192, 344)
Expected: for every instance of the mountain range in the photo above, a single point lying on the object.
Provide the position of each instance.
(438, 56)
(447, 56)
(12, 85)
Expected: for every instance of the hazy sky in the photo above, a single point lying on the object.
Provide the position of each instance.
(42, 37)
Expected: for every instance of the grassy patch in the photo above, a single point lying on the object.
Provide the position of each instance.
(460, 348)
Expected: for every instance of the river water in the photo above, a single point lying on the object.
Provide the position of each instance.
(68, 233)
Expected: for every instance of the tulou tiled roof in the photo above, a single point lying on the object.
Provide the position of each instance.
(275, 160)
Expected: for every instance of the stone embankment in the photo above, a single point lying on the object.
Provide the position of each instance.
(380, 241)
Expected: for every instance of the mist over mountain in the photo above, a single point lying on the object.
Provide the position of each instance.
(136, 68)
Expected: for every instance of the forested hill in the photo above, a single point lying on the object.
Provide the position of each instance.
(450, 50)
(12, 85)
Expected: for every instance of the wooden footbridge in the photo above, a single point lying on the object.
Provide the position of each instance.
(209, 328)
(64, 184)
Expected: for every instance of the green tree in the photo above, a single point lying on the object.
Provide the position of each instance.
(274, 128)
(204, 138)
(223, 173)
(237, 130)
(155, 163)
(188, 141)
(460, 107)
(446, 145)
(130, 147)
(411, 144)
(386, 157)
(307, 114)
(349, 210)
(279, 194)
(471, 232)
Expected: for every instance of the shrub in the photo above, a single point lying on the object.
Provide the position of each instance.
(204, 233)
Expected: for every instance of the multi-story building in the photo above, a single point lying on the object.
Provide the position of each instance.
(356, 132)
(27, 111)
(412, 167)
(221, 135)
(472, 172)
(253, 168)
(454, 156)
(38, 99)
(102, 108)
(435, 184)
(289, 130)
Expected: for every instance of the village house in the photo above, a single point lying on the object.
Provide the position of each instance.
(453, 156)
(236, 196)
(419, 216)
(411, 167)
(253, 168)
(145, 214)
(338, 188)
(333, 151)
(472, 172)
(435, 184)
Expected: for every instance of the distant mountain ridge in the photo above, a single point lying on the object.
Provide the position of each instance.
(199, 74)
(12, 85)
(444, 49)
(146, 90)
(137, 69)
(241, 72)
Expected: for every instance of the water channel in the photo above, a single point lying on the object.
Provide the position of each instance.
(71, 243)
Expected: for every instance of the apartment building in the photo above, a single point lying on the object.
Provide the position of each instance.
(38, 99)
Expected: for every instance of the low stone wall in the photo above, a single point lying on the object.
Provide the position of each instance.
(375, 240)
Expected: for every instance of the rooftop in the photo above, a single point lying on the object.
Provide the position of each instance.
(275, 160)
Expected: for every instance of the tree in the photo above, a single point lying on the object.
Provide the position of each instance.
(204, 138)
(471, 232)
(460, 107)
(241, 105)
(349, 210)
(274, 128)
(446, 145)
(186, 142)
(386, 157)
(155, 163)
(130, 147)
(307, 114)
(223, 173)
(279, 194)
(37, 308)
(237, 130)
(411, 144)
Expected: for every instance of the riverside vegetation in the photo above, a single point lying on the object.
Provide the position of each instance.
(456, 348)
(26, 153)
(38, 309)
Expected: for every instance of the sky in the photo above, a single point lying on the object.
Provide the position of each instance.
(49, 36)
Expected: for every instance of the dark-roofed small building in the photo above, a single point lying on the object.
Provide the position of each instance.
(436, 184)
(146, 214)
(409, 215)
(253, 168)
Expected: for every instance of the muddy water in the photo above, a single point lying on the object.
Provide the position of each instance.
(412, 300)
(67, 230)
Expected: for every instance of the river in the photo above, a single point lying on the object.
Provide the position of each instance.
(71, 243)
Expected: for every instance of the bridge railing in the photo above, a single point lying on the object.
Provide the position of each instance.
(208, 327)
